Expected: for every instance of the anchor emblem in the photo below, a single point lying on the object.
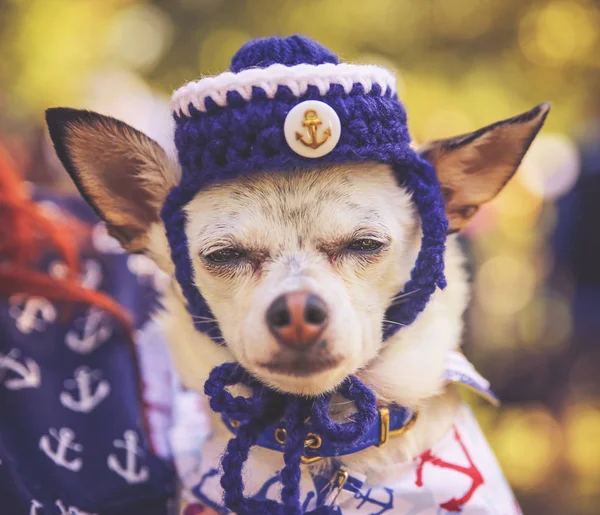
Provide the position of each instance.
(71, 510)
(31, 313)
(35, 505)
(104, 242)
(65, 438)
(471, 471)
(28, 371)
(95, 329)
(147, 272)
(88, 399)
(311, 122)
(128, 473)
(90, 278)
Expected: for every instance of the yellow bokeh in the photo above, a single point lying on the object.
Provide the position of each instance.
(582, 422)
(57, 43)
(506, 284)
(560, 32)
(218, 46)
(528, 442)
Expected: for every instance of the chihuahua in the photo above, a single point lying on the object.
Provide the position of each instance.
(298, 267)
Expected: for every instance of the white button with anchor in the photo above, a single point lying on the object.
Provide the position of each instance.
(312, 129)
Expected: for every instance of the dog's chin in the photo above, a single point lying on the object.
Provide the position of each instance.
(302, 374)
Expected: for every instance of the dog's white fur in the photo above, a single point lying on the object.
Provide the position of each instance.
(295, 227)
(357, 301)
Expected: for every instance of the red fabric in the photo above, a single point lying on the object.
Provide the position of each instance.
(27, 232)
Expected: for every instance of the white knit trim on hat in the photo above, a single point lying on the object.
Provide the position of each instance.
(297, 78)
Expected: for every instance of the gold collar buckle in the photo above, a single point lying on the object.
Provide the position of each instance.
(312, 441)
(384, 426)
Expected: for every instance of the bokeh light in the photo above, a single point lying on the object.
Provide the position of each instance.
(582, 443)
(506, 283)
(529, 443)
(139, 36)
(559, 32)
(551, 167)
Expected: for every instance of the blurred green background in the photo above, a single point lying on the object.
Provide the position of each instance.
(534, 326)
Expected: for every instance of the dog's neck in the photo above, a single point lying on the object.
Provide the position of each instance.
(408, 371)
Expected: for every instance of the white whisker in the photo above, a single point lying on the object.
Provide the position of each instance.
(341, 403)
(200, 322)
(207, 319)
(399, 299)
(392, 322)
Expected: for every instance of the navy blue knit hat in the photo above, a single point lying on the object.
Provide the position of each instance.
(289, 103)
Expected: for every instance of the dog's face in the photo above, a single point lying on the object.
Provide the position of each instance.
(338, 240)
(298, 267)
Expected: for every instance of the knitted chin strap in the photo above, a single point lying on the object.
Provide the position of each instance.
(264, 407)
(244, 121)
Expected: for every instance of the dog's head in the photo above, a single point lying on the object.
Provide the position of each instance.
(298, 267)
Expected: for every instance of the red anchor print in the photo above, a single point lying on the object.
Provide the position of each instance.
(472, 471)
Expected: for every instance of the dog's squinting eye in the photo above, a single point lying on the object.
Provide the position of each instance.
(224, 256)
(364, 245)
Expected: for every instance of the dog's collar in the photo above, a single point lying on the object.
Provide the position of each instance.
(392, 421)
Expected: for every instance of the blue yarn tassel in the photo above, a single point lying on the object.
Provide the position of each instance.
(263, 408)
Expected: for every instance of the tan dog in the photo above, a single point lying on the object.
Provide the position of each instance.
(340, 240)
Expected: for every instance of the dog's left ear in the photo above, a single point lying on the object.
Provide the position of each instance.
(122, 173)
(473, 168)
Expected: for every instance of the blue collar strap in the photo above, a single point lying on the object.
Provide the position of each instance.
(393, 421)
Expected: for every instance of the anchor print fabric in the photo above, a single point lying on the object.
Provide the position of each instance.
(458, 475)
(74, 436)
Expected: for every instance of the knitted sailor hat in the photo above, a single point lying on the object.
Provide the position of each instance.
(288, 103)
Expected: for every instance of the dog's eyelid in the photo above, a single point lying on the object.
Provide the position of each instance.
(370, 234)
(242, 256)
(212, 243)
(214, 247)
(339, 246)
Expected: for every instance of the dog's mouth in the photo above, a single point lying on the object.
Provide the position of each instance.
(301, 364)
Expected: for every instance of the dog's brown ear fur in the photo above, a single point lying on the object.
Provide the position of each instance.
(123, 174)
(473, 168)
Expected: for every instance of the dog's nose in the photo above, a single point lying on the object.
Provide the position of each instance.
(297, 319)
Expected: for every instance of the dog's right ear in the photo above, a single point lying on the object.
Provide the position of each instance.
(122, 173)
(474, 167)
